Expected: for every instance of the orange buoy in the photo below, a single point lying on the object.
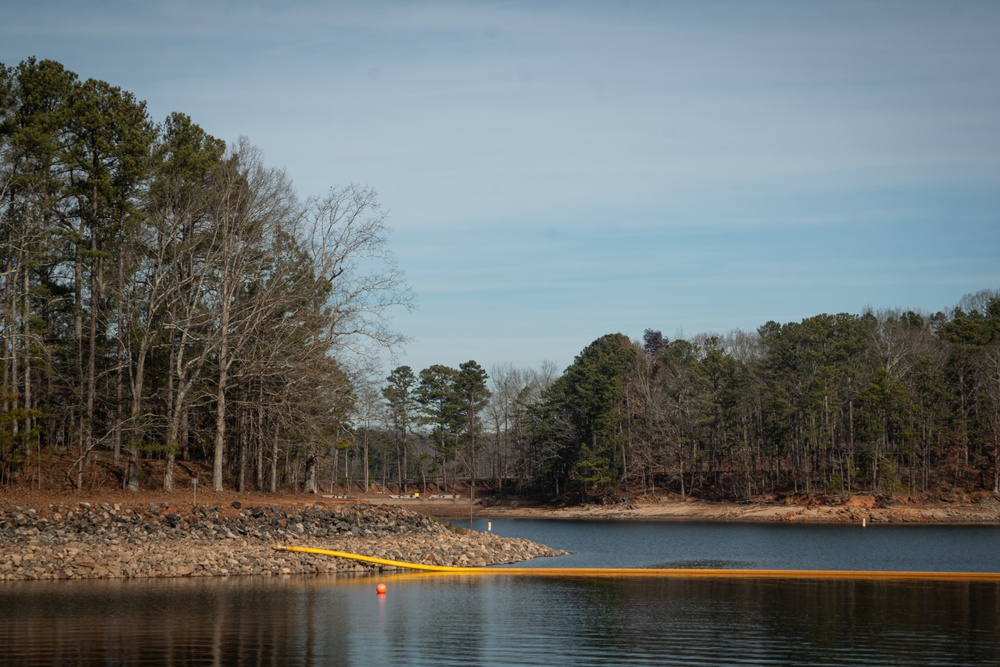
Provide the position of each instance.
(380, 589)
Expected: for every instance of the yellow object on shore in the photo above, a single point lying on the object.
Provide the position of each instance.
(656, 572)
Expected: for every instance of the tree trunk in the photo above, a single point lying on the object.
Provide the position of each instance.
(242, 456)
(28, 399)
(120, 354)
(274, 460)
(91, 400)
(220, 406)
(310, 473)
(82, 435)
(365, 466)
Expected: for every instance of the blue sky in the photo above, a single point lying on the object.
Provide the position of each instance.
(556, 171)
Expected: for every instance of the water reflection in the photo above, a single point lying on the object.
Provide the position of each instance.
(760, 546)
(449, 620)
(181, 622)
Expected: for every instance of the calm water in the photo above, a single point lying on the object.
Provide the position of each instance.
(431, 619)
(758, 546)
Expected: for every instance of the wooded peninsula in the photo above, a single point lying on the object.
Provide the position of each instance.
(166, 298)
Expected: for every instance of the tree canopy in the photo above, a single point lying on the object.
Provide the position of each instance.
(163, 294)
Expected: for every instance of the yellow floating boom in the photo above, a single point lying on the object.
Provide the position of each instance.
(656, 572)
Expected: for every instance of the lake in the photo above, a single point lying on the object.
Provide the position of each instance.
(784, 546)
(430, 619)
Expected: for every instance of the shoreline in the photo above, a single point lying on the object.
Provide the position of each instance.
(849, 508)
(108, 541)
(153, 534)
(857, 509)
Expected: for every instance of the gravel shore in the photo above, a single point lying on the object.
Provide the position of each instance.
(106, 540)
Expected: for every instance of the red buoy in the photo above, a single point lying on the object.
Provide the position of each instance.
(380, 589)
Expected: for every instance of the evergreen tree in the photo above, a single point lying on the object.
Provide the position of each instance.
(402, 404)
(471, 396)
(440, 409)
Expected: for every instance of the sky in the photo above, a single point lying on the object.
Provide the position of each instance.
(555, 171)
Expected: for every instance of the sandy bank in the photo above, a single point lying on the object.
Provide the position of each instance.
(856, 509)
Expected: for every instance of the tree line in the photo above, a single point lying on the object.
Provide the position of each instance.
(882, 402)
(164, 295)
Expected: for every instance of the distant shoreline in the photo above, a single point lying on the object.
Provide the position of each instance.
(860, 509)
(855, 508)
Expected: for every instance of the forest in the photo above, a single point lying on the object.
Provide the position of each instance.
(889, 402)
(166, 297)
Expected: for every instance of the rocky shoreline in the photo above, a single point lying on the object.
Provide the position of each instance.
(106, 540)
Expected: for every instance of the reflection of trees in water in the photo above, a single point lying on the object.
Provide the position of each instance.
(485, 620)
